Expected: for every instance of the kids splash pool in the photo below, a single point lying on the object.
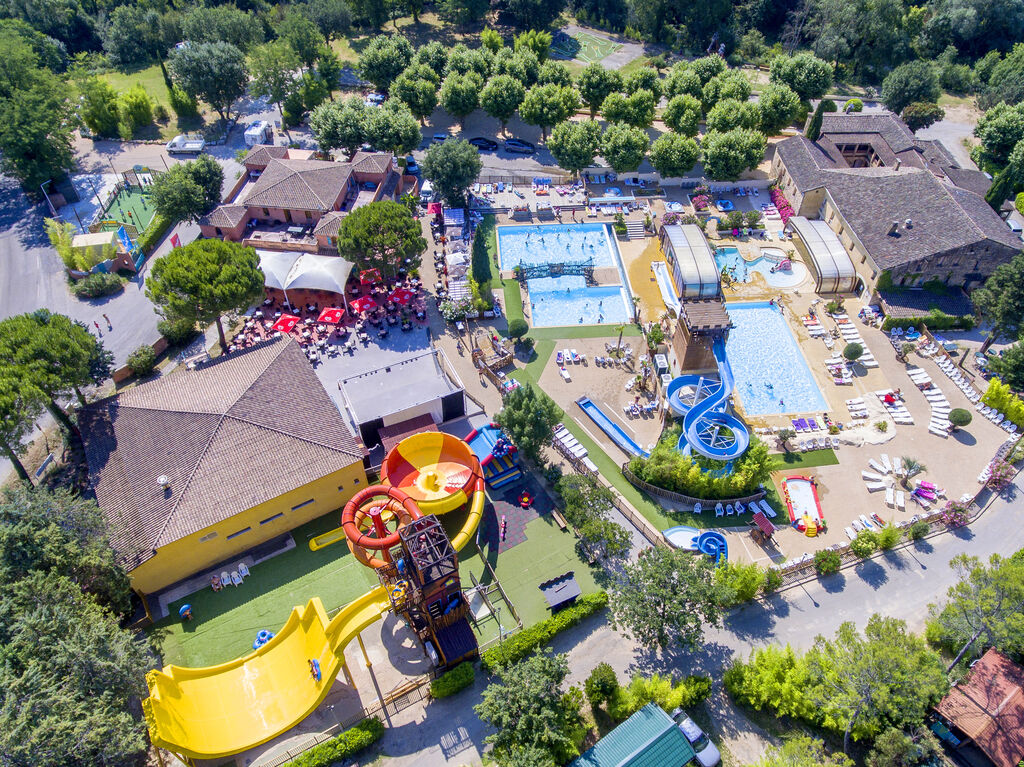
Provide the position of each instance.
(740, 270)
(772, 376)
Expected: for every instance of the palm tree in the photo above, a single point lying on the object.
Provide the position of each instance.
(618, 346)
(911, 466)
(784, 436)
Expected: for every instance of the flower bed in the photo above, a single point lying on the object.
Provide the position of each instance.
(782, 205)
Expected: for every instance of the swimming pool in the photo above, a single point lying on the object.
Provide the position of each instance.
(740, 269)
(567, 300)
(772, 376)
(554, 244)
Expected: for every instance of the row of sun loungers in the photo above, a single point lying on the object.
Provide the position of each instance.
(729, 510)
(958, 378)
(821, 443)
(850, 335)
(896, 409)
(857, 407)
(571, 445)
(569, 356)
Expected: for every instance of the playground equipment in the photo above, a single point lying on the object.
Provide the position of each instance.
(214, 712)
(498, 457)
(609, 427)
(801, 497)
(707, 428)
(707, 542)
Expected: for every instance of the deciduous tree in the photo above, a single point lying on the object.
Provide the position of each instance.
(1000, 302)
(728, 114)
(727, 155)
(273, 66)
(624, 147)
(895, 748)
(536, 40)
(921, 114)
(99, 106)
(908, 83)
(528, 417)
(548, 105)
(535, 14)
(673, 155)
(595, 84)
(302, 35)
(204, 280)
(222, 23)
(666, 597)
(803, 751)
(778, 105)
(340, 124)
(682, 114)
(575, 144)
(554, 72)
(417, 88)
(384, 59)
(807, 75)
(460, 95)
(643, 79)
(333, 17)
(521, 64)
(636, 110)
(213, 72)
(1000, 129)
(501, 97)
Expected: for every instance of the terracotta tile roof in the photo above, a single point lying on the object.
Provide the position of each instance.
(372, 162)
(989, 708)
(972, 180)
(225, 216)
(261, 155)
(895, 133)
(300, 185)
(329, 224)
(230, 435)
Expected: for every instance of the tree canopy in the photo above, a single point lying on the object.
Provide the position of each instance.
(778, 105)
(636, 109)
(340, 124)
(575, 144)
(21, 404)
(908, 83)
(1000, 302)
(682, 114)
(595, 84)
(588, 507)
(384, 59)
(381, 236)
(501, 97)
(548, 105)
(213, 72)
(624, 147)
(727, 155)
(189, 190)
(665, 598)
(273, 67)
(392, 127)
(417, 89)
(452, 166)
(805, 74)
(803, 751)
(221, 23)
(1000, 129)
(673, 155)
(204, 280)
(528, 418)
(460, 94)
(728, 114)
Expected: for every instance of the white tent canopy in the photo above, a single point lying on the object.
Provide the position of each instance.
(692, 261)
(827, 258)
(287, 270)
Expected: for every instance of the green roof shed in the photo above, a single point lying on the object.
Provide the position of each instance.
(649, 738)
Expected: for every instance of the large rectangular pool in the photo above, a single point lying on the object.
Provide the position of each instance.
(554, 244)
(567, 300)
(772, 376)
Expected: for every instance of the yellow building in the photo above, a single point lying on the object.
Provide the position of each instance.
(197, 467)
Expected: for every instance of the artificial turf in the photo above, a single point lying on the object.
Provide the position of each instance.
(132, 207)
(808, 460)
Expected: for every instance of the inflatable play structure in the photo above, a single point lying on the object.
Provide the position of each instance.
(498, 457)
(214, 712)
(801, 497)
(707, 542)
(707, 428)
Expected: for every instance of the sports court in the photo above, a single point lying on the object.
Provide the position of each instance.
(584, 47)
(130, 206)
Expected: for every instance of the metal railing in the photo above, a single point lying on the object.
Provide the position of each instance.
(679, 497)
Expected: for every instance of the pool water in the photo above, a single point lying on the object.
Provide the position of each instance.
(567, 300)
(772, 376)
(554, 244)
(740, 269)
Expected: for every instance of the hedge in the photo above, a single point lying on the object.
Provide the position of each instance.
(353, 740)
(1000, 396)
(935, 320)
(450, 682)
(518, 646)
(154, 232)
(97, 284)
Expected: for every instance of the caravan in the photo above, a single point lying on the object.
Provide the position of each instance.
(261, 132)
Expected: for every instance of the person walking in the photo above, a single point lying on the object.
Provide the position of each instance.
(109, 325)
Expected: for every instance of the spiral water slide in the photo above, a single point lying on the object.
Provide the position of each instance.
(217, 711)
(701, 401)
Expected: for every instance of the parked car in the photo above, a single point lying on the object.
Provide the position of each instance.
(484, 144)
(185, 144)
(518, 146)
(439, 138)
(707, 752)
(374, 99)
(411, 166)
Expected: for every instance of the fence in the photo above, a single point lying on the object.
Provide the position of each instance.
(500, 175)
(679, 497)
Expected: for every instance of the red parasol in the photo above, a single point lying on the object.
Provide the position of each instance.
(369, 276)
(401, 296)
(285, 323)
(331, 315)
(362, 304)
(434, 209)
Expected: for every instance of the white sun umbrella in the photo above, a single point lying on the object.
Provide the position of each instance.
(276, 266)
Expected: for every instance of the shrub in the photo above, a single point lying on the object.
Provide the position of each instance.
(882, 426)
(177, 332)
(888, 537)
(601, 685)
(450, 682)
(744, 580)
(955, 514)
(517, 328)
(772, 580)
(97, 284)
(853, 105)
(142, 361)
(154, 233)
(350, 742)
(934, 319)
(160, 113)
(827, 562)
(518, 646)
(960, 417)
(527, 343)
(658, 689)
(834, 306)
(752, 218)
(853, 351)
(865, 544)
(183, 104)
(919, 530)
(552, 473)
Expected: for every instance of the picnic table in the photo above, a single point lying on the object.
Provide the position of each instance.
(561, 591)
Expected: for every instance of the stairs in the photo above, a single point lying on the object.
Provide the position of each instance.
(635, 229)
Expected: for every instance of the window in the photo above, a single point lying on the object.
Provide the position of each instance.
(308, 215)
(240, 532)
(208, 537)
(266, 213)
(355, 481)
(218, 231)
(304, 503)
(268, 520)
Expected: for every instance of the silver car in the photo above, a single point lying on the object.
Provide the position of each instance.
(707, 752)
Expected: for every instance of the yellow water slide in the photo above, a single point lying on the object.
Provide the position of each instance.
(217, 711)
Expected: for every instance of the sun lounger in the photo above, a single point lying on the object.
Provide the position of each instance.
(868, 524)
(856, 525)
(900, 500)
(565, 374)
(886, 464)
(890, 497)
(766, 508)
(872, 477)
(850, 533)
(875, 486)
(877, 466)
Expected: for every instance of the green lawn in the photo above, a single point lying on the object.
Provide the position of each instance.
(152, 80)
(808, 460)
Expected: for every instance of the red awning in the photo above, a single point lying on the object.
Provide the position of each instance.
(434, 209)
(402, 296)
(762, 522)
(369, 276)
(331, 315)
(285, 323)
(362, 304)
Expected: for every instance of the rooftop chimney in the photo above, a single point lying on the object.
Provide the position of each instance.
(894, 228)
(908, 224)
(163, 482)
(899, 163)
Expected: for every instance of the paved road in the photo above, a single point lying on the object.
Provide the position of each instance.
(899, 584)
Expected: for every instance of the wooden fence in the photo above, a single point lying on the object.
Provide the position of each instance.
(679, 497)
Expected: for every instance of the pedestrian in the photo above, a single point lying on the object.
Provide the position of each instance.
(109, 326)
(97, 327)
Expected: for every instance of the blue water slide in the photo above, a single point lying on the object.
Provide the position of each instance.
(714, 545)
(609, 427)
(704, 413)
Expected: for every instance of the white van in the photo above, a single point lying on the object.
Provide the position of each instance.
(426, 192)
